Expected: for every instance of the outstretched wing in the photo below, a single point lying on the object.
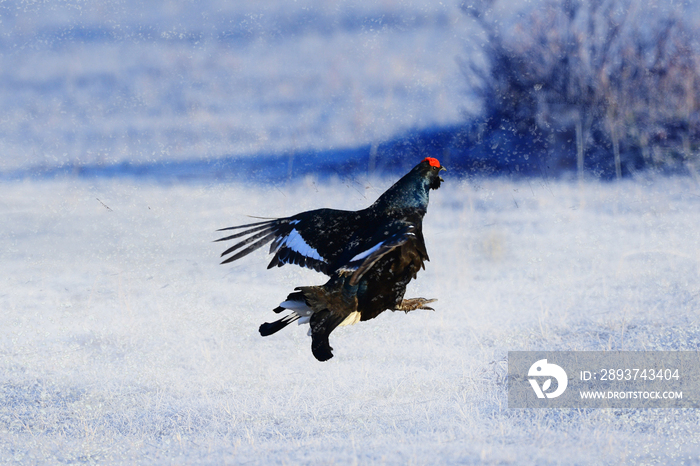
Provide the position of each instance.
(395, 234)
(313, 239)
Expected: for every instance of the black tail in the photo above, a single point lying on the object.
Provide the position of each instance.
(268, 328)
(322, 324)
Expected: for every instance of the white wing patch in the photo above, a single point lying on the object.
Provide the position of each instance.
(296, 243)
(362, 255)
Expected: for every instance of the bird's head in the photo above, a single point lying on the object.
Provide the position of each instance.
(412, 190)
(430, 168)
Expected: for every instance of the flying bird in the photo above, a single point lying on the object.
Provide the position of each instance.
(370, 256)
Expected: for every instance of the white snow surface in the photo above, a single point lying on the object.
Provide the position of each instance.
(122, 339)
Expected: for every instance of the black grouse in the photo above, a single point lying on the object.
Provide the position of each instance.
(369, 254)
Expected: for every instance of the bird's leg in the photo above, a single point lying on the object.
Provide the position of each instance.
(412, 304)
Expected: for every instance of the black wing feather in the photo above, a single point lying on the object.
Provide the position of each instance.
(265, 233)
(320, 238)
(390, 236)
(243, 233)
(246, 226)
(251, 248)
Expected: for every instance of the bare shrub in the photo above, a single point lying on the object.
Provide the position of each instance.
(613, 85)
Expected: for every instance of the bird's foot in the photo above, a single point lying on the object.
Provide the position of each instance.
(412, 304)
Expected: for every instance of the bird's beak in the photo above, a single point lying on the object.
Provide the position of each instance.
(441, 169)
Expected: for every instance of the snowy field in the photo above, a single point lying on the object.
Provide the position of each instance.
(103, 82)
(123, 340)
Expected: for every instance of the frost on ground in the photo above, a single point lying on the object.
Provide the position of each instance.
(108, 82)
(122, 339)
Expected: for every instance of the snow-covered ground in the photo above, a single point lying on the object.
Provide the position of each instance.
(110, 81)
(123, 340)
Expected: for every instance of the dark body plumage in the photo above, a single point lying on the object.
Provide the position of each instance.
(370, 256)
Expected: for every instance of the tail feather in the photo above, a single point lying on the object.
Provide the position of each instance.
(323, 307)
(268, 328)
(294, 301)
